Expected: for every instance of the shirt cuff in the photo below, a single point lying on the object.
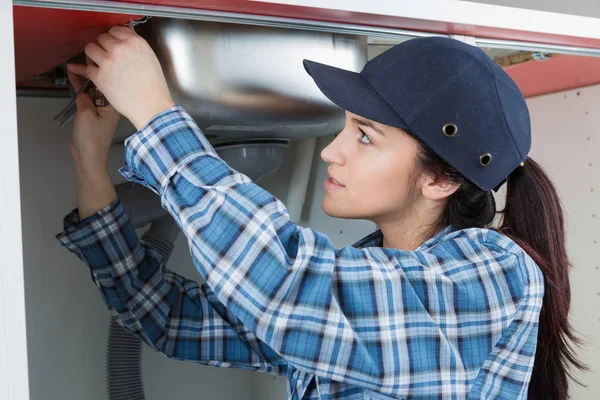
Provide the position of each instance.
(169, 140)
(79, 234)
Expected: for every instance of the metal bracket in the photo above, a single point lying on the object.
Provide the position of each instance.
(540, 56)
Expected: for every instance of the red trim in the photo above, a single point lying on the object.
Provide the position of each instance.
(559, 73)
(47, 37)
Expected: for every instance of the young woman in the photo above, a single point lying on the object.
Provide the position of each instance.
(435, 304)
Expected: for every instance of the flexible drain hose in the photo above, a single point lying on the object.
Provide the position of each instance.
(124, 351)
(123, 364)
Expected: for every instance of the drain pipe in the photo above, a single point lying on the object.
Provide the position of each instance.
(124, 350)
(142, 205)
(303, 161)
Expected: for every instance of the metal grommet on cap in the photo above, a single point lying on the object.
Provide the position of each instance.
(485, 159)
(450, 130)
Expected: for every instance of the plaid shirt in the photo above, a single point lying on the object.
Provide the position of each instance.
(455, 318)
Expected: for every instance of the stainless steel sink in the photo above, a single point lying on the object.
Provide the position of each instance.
(241, 81)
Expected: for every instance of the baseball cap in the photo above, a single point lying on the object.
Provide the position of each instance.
(449, 94)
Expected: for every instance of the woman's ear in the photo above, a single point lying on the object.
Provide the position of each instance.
(438, 189)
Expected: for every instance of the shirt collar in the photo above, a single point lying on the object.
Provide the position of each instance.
(375, 239)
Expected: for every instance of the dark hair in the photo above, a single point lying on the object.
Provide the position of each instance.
(533, 218)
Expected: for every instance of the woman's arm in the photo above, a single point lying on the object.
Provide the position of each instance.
(173, 315)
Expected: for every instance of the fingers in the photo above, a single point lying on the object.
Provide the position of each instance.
(107, 41)
(122, 32)
(96, 53)
(75, 80)
(85, 103)
(97, 94)
(77, 69)
(92, 72)
(108, 113)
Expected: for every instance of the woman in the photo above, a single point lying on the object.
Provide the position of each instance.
(432, 305)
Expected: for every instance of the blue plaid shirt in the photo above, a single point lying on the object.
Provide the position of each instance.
(456, 318)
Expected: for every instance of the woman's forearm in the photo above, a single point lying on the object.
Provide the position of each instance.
(95, 189)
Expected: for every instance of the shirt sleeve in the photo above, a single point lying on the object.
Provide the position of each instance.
(416, 323)
(173, 315)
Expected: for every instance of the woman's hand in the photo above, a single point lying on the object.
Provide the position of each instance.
(128, 73)
(93, 130)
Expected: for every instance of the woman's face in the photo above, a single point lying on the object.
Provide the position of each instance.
(371, 171)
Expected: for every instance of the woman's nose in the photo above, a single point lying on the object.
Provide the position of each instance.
(333, 154)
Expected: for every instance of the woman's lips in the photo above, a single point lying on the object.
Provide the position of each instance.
(332, 184)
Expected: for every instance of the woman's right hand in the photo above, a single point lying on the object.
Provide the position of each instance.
(129, 74)
(93, 130)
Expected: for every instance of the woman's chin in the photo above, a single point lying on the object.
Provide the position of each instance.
(334, 209)
(347, 209)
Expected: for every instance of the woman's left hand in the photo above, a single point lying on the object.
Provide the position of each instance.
(128, 73)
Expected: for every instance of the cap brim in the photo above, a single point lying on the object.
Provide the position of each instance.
(352, 92)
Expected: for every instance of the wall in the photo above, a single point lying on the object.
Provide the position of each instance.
(567, 143)
(67, 321)
(66, 318)
(13, 338)
(583, 8)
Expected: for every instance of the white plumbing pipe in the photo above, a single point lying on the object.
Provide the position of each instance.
(300, 177)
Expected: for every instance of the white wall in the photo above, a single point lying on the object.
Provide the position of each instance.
(66, 318)
(587, 8)
(13, 341)
(566, 141)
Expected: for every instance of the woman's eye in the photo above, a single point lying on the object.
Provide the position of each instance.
(365, 139)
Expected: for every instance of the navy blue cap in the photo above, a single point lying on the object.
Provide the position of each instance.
(449, 94)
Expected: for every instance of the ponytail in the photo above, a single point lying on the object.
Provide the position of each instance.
(533, 218)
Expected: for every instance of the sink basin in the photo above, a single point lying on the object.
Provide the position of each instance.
(239, 81)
